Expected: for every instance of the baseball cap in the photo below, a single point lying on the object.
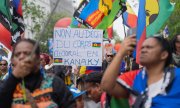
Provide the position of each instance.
(76, 92)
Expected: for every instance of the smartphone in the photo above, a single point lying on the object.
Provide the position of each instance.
(131, 31)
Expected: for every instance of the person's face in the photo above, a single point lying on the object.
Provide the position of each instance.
(177, 44)
(22, 51)
(150, 52)
(93, 91)
(109, 57)
(42, 60)
(3, 66)
(79, 102)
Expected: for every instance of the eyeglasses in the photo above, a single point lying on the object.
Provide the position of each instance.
(109, 55)
(3, 64)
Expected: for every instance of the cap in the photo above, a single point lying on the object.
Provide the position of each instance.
(76, 92)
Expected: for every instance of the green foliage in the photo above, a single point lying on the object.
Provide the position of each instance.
(38, 16)
(48, 33)
(174, 20)
(36, 13)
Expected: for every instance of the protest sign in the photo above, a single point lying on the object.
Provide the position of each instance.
(82, 47)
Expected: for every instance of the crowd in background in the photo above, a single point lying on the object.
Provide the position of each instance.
(84, 82)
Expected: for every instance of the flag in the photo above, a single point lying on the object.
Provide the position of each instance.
(108, 33)
(166, 32)
(96, 44)
(11, 17)
(5, 24)
(99, 14)
(151, 16)
(129, 17)
(11, 23)
(141, 28)
(17, 20)
(118, 7)
(157, 12)
(74, 23)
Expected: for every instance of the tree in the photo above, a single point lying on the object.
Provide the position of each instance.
(36, 13)
(174, 20)
(49, 30)
(38, 16)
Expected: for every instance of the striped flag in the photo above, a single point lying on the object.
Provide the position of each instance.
(99, 14)
(96, 44)
(58, 60)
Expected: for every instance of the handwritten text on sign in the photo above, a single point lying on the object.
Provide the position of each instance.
(81, 47)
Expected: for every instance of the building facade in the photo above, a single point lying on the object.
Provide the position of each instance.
(64, 6)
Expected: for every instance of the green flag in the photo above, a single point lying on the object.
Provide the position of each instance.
(157, 12)
(5, 15)
(117, 9)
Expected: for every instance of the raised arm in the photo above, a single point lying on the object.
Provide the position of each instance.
(108, 82)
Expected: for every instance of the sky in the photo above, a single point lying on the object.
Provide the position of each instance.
(119, 28)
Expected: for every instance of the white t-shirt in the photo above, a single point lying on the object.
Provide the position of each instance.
(155, 88)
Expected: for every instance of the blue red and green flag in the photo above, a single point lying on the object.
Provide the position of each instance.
(99, 14)
(151, 17)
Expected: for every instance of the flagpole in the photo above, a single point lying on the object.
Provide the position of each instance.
(124, 27)
(46, 23)
(36, 45)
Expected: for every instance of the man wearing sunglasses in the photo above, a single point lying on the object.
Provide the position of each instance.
(3, 68)
(107, 61)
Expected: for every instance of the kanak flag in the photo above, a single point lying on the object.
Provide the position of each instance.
(151, 17)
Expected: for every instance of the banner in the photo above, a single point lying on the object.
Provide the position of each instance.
(81, 47)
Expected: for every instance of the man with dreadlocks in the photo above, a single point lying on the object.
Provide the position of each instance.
(92, 86)
(93, 89)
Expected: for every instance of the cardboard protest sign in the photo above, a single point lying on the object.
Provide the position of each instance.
(82, 47)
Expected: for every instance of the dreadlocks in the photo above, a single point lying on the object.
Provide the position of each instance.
(94, 77)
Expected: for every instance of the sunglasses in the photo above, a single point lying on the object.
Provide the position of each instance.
(109, 55)
(3, 64)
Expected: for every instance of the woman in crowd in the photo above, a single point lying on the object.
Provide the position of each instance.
(176, 50)
(154, 86)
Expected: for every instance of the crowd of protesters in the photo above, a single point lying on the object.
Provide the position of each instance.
(31, 80)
